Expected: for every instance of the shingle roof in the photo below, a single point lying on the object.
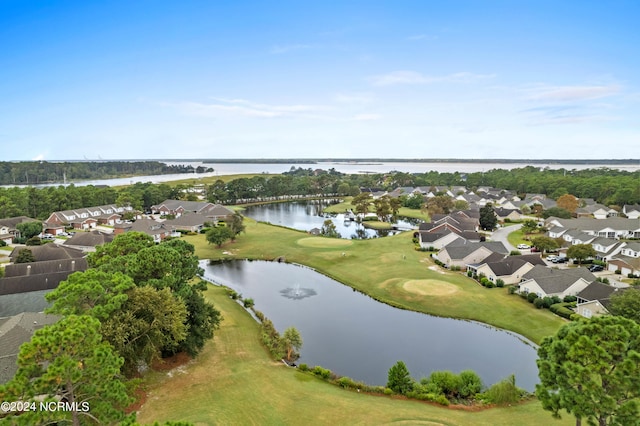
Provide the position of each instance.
(15, 331)
(48, 252)
(89, 239)
(597, 291)
(459, 249)
(45, 267)
(540, 271)
(188, 219)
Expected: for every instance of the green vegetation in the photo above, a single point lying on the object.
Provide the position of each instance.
(591, 369)
(235, 368)
(389, 270)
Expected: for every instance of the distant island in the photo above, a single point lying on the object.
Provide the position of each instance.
(407, 160)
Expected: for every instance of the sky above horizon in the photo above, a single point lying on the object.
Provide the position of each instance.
(330, 79)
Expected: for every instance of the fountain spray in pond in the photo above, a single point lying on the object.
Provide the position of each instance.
(297, 293)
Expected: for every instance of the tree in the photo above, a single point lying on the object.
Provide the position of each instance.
(68, 361)
(581, 252)
(544, 243)
(529, 226)
(440, 204)
(292, 343)
(460, 205)
(568, 202)
(556, 212)
(122, 245)
(383, 208)
(591, 369)
(395, 204)
(149, 322)
(236, 225)
(92, 292)
(413, 201)
(29, 229)
(328, 229)
(488, 219)
(25, 256)
(362, 202)
(218, 235)
(399, 379)
(626, 304)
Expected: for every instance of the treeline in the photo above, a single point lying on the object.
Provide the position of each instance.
(606, 186)
(43, 172)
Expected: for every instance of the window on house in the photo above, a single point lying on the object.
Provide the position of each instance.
(587, 313)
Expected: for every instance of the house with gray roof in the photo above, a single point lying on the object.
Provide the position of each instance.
(606, 248)
(88, 241)
(14, 331)
(158, 230)
(178, 207)
(545, 281)
(597, 211)
(594, 299)
(611, 227)
(462, 252)
(86, 217)
(628, 260)
(436, 240)
(190, 222)
(632, 211)
(509, 269)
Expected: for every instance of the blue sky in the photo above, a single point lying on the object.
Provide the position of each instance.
(266, 79)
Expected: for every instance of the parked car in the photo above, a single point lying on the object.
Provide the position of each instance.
(552, 257)
(596, 268)
(523, 246)
(560, 260)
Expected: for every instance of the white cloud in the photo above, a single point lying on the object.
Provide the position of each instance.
(280, 49)
(573, 93)
(38, 157)
(243, 107)
(413, 77)
(367, 117)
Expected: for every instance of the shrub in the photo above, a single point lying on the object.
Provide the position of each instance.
(618, 272)
(346, 382)
(303, 367)
(499, 283)
(469, 274)
(259, 315)
(547, 302)
(321, 372)
(531, 297)
(490, 284)
(248, 303)
(562, 310)
(470, 384)
(569, 299)
(484, 281)
(538, 303)
(504, 392)
(512, 289)
(514, 253)
(3, 243)
(388, 391)
(446, 382)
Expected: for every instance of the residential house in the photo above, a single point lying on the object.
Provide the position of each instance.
(628, 260)
(88, 241)
(176, 208)
(507, 214)
(611, 227)
(597, 211)
(632, 211)
(85, 218)
(9, 227)
(594, 299)
(606, 248)
(436, 240)
(14, 331)
(462, 252)
(189, 222)
(158, 230)
(47, 252)
(545, 281)
(510, 269)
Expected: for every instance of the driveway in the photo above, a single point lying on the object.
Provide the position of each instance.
(500, 235)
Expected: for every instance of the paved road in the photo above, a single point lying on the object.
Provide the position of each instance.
(500, 235)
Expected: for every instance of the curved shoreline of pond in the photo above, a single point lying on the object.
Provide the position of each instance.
(520, 337)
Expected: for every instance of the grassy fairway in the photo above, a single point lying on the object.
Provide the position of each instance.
(404, 211)
(234, 382)
(387, 269)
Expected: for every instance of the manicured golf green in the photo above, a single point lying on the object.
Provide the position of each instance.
(380, 267)
(234, 382)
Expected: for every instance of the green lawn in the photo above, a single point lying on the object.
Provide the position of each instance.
(389, 270)
(404, 211)
(234, 382)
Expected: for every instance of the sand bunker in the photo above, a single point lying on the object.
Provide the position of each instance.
(430, 287)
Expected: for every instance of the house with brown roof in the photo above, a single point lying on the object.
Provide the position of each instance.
(88, 241)
(594, 299)
(87, 217)
(47, 252)
(462, 252)
(9, 227)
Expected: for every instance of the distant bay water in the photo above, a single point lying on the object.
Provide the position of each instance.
(348, 167)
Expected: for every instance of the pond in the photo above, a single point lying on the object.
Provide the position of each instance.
(306, 215)
(356, 336)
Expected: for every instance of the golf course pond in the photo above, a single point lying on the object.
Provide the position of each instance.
(306, 215)
(356, 336)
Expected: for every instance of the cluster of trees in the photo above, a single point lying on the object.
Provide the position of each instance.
(138, 302)
(444, 387)
(220, 233)
(385, 207)
(39, 172)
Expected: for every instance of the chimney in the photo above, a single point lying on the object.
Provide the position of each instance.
(28, 270)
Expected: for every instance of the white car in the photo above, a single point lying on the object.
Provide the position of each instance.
(523, 247)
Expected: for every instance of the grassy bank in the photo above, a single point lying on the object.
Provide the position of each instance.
(404, 211)
(233, 381)
(389, 270)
